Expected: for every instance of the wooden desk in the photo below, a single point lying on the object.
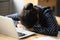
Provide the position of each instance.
(4, 37)
(58, 20)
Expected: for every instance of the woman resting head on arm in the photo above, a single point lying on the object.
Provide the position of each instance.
(28, 17)
(39, 19)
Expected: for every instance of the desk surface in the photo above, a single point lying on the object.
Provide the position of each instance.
(58, 20)
(4, 37)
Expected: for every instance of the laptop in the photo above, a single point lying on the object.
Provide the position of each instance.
(8, 28)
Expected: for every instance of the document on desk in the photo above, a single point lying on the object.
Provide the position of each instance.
(46, 38)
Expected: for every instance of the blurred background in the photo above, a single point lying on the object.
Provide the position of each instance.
(8, 7)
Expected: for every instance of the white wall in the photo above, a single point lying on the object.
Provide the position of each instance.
(19, 4)
(35, 2)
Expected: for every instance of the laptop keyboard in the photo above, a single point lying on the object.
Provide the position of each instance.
(21, 34)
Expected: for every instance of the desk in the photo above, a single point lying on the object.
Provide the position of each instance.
(58, 20)
(4, 37)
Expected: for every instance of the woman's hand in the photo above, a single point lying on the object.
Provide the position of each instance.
(21, 26)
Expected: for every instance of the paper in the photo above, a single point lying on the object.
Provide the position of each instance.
(46, 38)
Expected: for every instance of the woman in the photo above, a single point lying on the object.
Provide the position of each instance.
(39, 19)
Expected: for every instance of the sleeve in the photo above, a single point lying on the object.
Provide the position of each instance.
(59, 28)
(52, 26)
(15, 18)
(15, 23)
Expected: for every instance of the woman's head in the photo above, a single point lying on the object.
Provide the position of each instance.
(29, 14)
(29, 6)
(30, 9)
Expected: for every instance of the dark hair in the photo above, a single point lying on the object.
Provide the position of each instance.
(29, 6)
(28, 17)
